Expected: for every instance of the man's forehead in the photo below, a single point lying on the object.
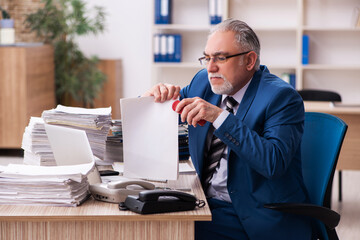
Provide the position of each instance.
(216, 53)
(221, 43)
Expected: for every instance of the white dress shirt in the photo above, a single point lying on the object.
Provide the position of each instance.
(218, 184)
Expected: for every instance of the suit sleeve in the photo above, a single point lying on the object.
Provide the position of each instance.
(270, 149)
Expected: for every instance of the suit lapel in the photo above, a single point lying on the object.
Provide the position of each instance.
(249, 96)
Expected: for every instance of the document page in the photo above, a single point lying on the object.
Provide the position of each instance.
(150, 139)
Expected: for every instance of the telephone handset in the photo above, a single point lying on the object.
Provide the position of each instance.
(166, 195)
(125, 184)
(116, 192)
(160, 201)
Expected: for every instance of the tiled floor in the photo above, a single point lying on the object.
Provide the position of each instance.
(349, 208)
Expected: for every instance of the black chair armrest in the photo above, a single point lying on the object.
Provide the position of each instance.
(329, 217)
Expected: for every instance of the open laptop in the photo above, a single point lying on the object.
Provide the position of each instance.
(70, 147)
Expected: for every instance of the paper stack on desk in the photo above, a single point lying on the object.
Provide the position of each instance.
(36, 145)
(114, 143)
(184, 152)
(96, 122)
(40, 185)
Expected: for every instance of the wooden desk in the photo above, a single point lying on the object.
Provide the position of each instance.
(101, 220)
(349, 158)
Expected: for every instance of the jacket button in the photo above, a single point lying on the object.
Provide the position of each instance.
(226, 134)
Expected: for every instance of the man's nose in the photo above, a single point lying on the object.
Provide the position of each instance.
(212, 66)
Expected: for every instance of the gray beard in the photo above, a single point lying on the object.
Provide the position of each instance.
(225, 88)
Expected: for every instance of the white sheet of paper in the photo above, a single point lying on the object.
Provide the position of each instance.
(78, 110)
(74, 172)
(150, 139)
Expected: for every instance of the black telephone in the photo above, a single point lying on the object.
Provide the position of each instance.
(160, 201)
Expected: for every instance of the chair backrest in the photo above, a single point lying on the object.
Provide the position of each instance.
(319, 95)
(320, 148)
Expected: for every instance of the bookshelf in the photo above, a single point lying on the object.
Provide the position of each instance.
(334, 55)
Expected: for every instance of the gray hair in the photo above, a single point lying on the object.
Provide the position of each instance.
(244, 36)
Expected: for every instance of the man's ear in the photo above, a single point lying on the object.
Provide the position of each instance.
(251, 60)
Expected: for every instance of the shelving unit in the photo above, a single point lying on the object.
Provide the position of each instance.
(334, 56)
(334, 48)
(191, 20)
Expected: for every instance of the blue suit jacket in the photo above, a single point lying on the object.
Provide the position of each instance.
(264, 164)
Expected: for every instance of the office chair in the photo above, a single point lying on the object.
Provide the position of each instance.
(328, 96)
(319, 95)
(320, 148)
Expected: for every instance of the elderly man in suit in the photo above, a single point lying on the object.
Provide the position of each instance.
(248, 152)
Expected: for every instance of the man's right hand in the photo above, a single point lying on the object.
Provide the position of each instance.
(163, 92)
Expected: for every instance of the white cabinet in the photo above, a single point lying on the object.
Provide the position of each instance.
(334, 55)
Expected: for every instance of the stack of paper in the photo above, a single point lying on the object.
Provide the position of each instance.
(116, 128)
(37, 149)
(39, 185)
(184, 153)
(96, 122)
(114, 143)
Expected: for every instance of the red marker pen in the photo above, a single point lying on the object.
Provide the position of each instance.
(175, 103)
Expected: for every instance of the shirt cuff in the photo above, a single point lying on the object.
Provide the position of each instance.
(220, 119)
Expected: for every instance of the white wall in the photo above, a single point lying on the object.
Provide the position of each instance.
(127, 37)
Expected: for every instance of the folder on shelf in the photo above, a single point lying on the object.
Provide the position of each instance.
(305, 50)
(215, 11)
(170, 48)
(219, 11)
(167, 47)
(212, 11)
(286, 77)
(178, 45)
(290, 78)
(163, 48)
(174, 48)
(157, 11)
(162, 11)
(165, 11)
(157, 48)
(293, 80)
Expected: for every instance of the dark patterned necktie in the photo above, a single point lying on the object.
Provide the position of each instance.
(217, 147)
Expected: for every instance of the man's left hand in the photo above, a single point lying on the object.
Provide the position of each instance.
(195, 109)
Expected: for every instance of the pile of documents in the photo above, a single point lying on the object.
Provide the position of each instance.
(114, 143)
(40, 185)
(96, 123)
(184, 153)
(37, 149)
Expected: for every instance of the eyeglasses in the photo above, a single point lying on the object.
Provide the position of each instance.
(219, 59)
